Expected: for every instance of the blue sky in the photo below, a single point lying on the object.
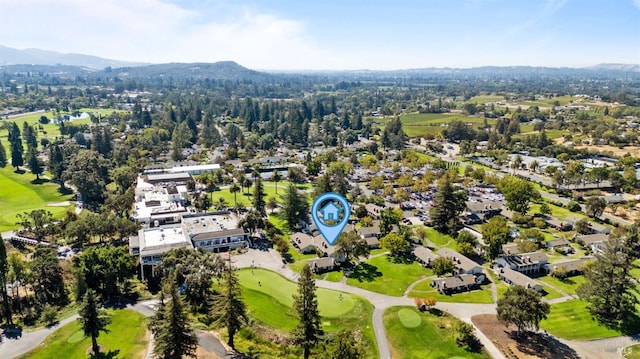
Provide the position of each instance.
(332, 34)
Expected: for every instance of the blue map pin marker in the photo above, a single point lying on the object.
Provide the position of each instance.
(330, 224)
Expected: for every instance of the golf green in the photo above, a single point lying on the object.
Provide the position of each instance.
(409, 318)
(332, 304)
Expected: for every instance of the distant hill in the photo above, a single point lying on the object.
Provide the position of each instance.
(11, 56)
(222, 70)
(618, 67)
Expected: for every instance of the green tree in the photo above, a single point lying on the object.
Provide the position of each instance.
(16, 147)
(272, 203)
(37, 223)
(395, 243)
(495, 233)
(518, 193)
(258, 197)
(389, 217)
(351, 246)
(33, 162)
(3, 156)
(295, 206)
(347, 344)
(234, 188)
(443, 265)
(173, 334)
(88, 171)
(48, 283)
(105, 269)
(522, 307)
(93, 319)
(276, 177)
(448, 204)
(610, 287)
(594, 206)
(393, 136)
(228, 307)
(309, 329)
(180, 138)
(4, 268)
(56, 163)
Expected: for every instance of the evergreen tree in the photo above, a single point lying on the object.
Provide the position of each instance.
(448, 204)
(3, 156)
(276, 177)
(347, 345)
(228, 308)
(295, 206)
(309, 330)
(34, 163)
(174, 337)
(610, 287)
(258, 197)
(93, 319)
(16, 148)
(56, 163)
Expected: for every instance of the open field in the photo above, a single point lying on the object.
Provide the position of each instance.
(269, 298)
(413, 334)
(568, 285)
(421, 124)
(127, 338)
(245, 198)
(572, 320)
(19, 192)
(383, 275)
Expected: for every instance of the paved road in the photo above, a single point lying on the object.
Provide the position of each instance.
(11, 348)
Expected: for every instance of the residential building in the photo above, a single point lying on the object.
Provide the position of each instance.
(323, 264)
(463, 264)
(424, 255)
(512, 277)
(572, 267)
(527, 263)
(457, 283)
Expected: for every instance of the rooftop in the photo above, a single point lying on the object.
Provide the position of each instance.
(158, 240)
(195, 224)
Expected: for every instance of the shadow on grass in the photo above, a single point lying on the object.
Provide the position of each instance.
(38, 181)
(111, 354)
(399, 259)
(546, 346)
(365, 272)
(65, 190)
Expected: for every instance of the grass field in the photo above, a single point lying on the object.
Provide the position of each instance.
(126, 339)
(269, 298)
(19, 192)
(568, 285)
(437, 238)
(424, 289)
(632, 352)
(482, 99)
(245, 198)
(382, 275)
(572, 320)
(421, 124)
(412, 334)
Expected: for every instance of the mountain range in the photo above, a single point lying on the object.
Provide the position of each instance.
(73, 64)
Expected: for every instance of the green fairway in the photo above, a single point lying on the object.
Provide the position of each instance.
(19, 192)
(412, 334)
(421, 124)
(126, 339)
(572, 320)
(282, 290)
(382, 275)
(482, 99)
(269, 299)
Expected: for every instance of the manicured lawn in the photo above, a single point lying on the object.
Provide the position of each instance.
(481, 99)
(568, 285)
(572, 320)
(19, 192)
(383, 275)
(413, 334)
(245, 197)
(269, 299)
(424, 289)
(334, 276)
(437, 238)
(551, 293)
(126, 339)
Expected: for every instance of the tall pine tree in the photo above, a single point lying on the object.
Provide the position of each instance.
(309, 330)
(258, 197)
(3, 156)
(174, 336)
(93, 319)
(228, 308)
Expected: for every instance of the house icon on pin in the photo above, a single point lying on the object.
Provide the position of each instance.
(330, 213)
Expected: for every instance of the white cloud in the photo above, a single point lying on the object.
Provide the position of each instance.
(157, 31)
(636, 3)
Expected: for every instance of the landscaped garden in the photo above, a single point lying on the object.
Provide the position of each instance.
(269, 299)
(384, 275)
(126, 338)
(412, 334)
